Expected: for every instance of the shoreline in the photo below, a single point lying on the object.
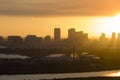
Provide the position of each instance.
(35, 73)
(91, 78)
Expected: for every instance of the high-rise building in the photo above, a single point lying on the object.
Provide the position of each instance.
(30, 41)
(86, 36)
(14, 42)
(79, 34)
(102, 37)
(57, 34)
(71, 33)
(30, 38)
(113, 40)
(1, 40)
(113, 37)
(118, 37)
(118, 40)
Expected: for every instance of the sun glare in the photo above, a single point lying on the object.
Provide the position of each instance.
(117, 16)
(115, 74)
(117, 20)
(108, 25)
(115, 24)
(118, 74)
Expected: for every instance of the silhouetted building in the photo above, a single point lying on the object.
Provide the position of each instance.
(86, 36)
(14, 42)
(118, 37)
(1, 41)
(47, 39)
(102, 37)
(31, 41)
(71, 33)
(39, 39)
(113, 40)
(57, 34)
(79, 34)
(79, 37)
(103, 42)
(118, 40)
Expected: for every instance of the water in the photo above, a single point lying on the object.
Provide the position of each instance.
(4, 56)
(113, 73)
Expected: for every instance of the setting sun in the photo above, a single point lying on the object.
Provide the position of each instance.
(107, 24)
(117, 16)
(114, 24)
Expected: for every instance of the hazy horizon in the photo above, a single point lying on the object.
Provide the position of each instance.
(38, 17)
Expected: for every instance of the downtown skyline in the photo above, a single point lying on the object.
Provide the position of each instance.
(40, 17)
(57, 33)
(76, 38)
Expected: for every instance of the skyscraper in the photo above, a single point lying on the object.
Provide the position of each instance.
(102, 37)
(30, 41)
(1, 40)
(113, 40)
(71, 33)
(86, 36)
(118, 37)
(113, 37)
(118, 40)
(57, 34)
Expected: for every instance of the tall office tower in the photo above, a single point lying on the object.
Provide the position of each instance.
(113, 40)
(118, 39)
(102, 37)
(71, 33)
(1, 40)
(30, 41)
(79, 34)
(86, 36)
(113, 36)
(57, 34)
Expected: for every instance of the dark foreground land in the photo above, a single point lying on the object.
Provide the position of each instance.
(109, 60)
(95, 78)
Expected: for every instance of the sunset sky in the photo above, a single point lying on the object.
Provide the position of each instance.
(40, 17)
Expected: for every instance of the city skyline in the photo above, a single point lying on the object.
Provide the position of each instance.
(79, 39)
(40, 17)
(92, 25)
(58, 31)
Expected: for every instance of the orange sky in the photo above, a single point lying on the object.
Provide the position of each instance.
(42, 26)
(40, 17)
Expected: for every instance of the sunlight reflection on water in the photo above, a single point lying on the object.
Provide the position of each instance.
(117, 74)
(114, 73)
